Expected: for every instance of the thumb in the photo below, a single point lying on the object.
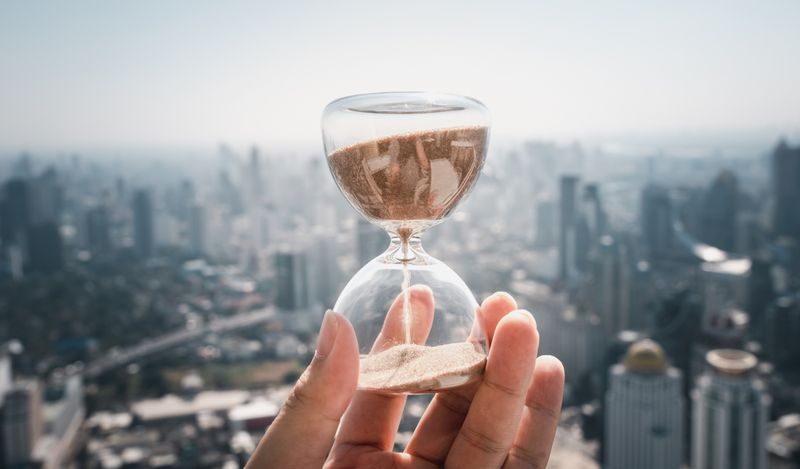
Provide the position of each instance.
(303, 432)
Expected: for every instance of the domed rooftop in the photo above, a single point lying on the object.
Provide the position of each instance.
(731, 362)
(645, 356)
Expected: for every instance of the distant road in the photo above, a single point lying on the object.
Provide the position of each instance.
(118, 358)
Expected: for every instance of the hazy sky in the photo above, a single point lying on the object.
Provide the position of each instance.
(197, 72)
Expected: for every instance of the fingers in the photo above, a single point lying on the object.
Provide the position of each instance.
(494, 414)
(302, 434)
(372, 418)
(537, 430)
(440, 424)
(492, 311)
(395, 328)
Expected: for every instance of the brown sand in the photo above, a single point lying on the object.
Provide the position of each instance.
(415, 176)
(418, 368)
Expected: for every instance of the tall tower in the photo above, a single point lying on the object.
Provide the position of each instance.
(786, 181)
(291, 280)
(371, 241)
(197, 229)
(729, 414)
(656, 220)
(719, 212)
(566, 235)
(143, 232)
(98, 229)
(644, 411)
(22, 423)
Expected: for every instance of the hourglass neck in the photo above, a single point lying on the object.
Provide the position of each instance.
(408, 251)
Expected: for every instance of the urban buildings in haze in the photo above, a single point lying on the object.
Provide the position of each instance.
(142, 288)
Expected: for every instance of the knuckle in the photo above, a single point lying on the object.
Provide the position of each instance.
(529, 459)
(482, 441)
(503, 389)
(543, 410)
(455, 403)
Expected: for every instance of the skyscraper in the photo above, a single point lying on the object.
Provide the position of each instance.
(644, 411)
(98, 230)
(546, 223)
(371, 241)
(656, 220)
(291, 280)
(729, 414)
(786, 181)
(143, 230)
(719, 212)
(610, 299)
(45, 249)
(596, 214)
(197, 229)
(22, 422)
(16, 211)
(782, 331)
(567, 220)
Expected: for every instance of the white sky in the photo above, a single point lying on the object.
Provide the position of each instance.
(198, 72)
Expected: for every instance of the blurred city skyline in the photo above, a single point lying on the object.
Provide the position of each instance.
(150, 74)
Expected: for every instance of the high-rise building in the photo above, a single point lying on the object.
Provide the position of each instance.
(725, 286)
(578, 340)
(596, 215)
(786, 181)
(611, 286)
(719, 212)
(197, 229)
(761, 293)
(371, 241)
(323, 269)
(644, 411)
(782, 330)
(45, 198)
(22, 422)
(729, 414)
(6, 376)
(568, 211)
(143, 228)
(291, 280)
(16, 211)
(98, 230)
(546, 223)
(656, 221)
(45, 248)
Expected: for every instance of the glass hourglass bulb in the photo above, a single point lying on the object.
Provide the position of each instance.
(404, 161)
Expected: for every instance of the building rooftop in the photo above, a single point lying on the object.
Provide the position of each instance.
(172, 406)
(645, 356)
(254, 410)
(731, 362)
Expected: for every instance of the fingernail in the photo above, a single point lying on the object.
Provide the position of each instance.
(503, 295)
(524, 313)
(327, 334)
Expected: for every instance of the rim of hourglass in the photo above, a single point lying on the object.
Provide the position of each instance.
(453, 102)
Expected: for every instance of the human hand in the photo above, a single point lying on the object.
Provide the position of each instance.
(508, 419)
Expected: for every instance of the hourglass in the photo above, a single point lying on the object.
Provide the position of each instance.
(404, 161)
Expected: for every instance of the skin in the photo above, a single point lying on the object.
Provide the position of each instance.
(506, 420)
